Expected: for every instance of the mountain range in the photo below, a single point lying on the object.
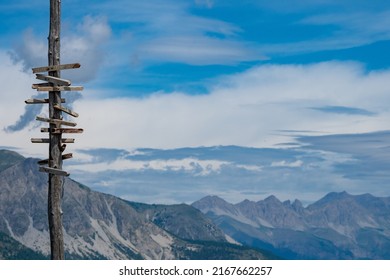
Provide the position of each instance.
(338, 226)
(102, 226)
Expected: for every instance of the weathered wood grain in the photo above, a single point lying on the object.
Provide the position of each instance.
(56, 67)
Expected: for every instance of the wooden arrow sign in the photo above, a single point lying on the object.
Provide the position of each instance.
(59, 88)
(54, 171)
(54, 80)
(47, 140)
(35, 86)
(46, 161)
(66, 110)
(63, 130)
(55, 121)
(40, 101)
(56, 67)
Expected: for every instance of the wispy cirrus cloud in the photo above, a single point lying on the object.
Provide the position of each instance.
(323, 25)
(198, 50)
(283, 163)
(353, 29)
(169, 32)
(371, 152)
(367, 23)
(344, 110)
(206, 3)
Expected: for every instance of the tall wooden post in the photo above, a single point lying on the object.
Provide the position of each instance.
(55, 149)
(54, 85)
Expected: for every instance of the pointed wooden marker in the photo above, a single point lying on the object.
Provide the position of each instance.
(47, 140)
(60, 88)
(55, 121)
(54, 80)
(40, 101)
(63, 130)
(35, 86)
(54, 171)
(65, 110)
(46, 161)
(56, 67)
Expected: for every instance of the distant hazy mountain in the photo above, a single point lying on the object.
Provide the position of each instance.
(101, 226)
(9, 158)
(339, 226)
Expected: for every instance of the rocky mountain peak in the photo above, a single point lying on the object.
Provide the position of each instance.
(214, 204)
(331, 198)
(338, 226)
(297, 206)
(272, 200)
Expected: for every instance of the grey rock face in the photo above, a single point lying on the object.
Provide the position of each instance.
(339, 226)
(181, 220)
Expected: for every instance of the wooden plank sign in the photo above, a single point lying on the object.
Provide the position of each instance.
(40, 101)
(56, 67)
(54, 171)
(35, 86)
(60, 88)
(54, 80)
(46, 161)
(47, 140)
(69, 130)
(66, 110)
(56, 122)
(63, 130)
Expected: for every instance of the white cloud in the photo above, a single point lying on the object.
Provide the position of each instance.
(86, 47)
(283, 163)
(193, 165)
(244, 109)
(32, 51)
(198, 50)
(254, 168)
(16, 87)
(83, 45)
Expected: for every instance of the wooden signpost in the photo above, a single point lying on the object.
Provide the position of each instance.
(56, 67)
(46, 161)
(40, 101)
(57, 122)
(58, 88)
(66, 110)
(62, 130)
(54, 85)
(54, 80)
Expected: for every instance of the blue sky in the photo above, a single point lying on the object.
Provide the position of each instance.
(295, 96)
